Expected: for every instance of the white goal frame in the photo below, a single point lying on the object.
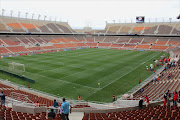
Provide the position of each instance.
(14, 66)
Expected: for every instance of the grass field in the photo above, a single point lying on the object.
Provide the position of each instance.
(72, 73)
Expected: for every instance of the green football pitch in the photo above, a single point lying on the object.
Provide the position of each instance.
(78, 72)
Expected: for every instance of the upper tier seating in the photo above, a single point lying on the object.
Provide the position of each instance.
(125, 29)
(10, 24)
(144, 28)
(3, 28)
(137, 28)
(53, 27)
(164, 29)
(176, 28)
(113, 29)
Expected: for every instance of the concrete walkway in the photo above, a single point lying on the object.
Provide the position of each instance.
(76, 116)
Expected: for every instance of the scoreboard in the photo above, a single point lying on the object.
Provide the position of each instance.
(140, 19)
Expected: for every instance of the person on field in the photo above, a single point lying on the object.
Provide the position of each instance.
(66, 109)
(139, 81)
(114, 98)
(79, 97)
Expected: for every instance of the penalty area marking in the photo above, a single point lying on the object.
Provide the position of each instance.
(128, 72)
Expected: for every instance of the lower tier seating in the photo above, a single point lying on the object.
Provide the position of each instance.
(149, 113)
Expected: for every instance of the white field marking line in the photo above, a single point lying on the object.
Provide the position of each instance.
(78, 56)
(73, 56)
(95, 51)
(62, 80)
(80, 72)
(84, 53)
(74, 53)
(93, 56)
(69, 65)
(109, 52)
(76, 67)
(70, 82)
(129, 72)
(68, 54)
(68, 76)
(135, 56)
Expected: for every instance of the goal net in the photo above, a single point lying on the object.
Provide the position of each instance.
(17, 67)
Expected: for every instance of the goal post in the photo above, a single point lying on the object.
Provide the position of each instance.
(17, 67)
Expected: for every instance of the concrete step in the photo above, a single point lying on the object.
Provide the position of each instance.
(76, 116)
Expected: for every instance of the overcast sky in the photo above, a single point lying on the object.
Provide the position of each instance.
(94, 13)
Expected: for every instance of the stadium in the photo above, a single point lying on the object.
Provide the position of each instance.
(102, 73)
